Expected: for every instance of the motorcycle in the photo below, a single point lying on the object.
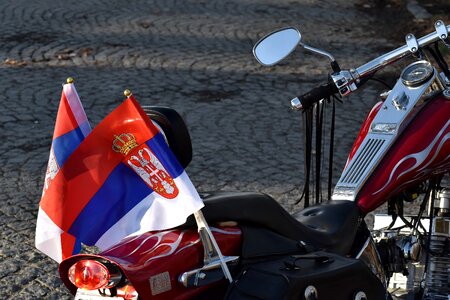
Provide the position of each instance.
(325, 251)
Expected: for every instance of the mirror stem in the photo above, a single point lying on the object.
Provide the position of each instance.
(334, 64)
(318, 51)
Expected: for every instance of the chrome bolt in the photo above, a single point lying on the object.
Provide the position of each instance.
(311, 293)
(360, 296)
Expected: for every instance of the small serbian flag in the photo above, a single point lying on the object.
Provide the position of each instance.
(71, 127)
(122, 180)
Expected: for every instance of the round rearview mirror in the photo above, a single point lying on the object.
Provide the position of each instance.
(276, 46)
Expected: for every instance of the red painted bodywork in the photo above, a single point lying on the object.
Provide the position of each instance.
(363, 131)
(143, 257)
(420, 151)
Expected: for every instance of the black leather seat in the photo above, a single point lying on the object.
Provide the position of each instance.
(331, 226)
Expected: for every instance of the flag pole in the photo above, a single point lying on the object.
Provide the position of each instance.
(211, 248)
(203, 227)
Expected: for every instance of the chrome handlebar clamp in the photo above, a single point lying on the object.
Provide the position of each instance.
(442, 32)
(412, 43)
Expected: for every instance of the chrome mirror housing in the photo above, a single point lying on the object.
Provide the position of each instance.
(276, 46)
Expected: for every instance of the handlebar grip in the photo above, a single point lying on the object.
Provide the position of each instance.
(315, 95)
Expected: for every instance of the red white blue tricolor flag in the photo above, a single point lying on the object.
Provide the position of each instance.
(122, 180)
(71, 127)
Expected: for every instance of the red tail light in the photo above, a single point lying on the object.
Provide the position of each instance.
(89, 275)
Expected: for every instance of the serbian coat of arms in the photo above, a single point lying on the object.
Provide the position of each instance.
(144, 162)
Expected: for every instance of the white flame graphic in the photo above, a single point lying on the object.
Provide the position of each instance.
(173, 246)
(212, 229)
(421, 156)
(158, 235)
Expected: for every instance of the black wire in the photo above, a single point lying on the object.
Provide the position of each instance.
(307, 156)
(319, 126)
(382, 82)
(444, 66)
(439, 59)
(433, 195)
(394, 219)
(331, 152)
(422, 208)
(313, 168)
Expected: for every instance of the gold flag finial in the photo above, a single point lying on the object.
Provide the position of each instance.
(127, 93)
(69, 80)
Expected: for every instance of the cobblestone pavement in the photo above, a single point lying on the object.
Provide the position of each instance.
(192, 55)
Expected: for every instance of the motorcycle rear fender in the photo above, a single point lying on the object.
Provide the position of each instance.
(153, 261)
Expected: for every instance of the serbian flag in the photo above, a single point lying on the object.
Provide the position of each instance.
(71, 127)
(122, 180)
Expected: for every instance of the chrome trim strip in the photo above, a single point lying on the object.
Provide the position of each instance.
(358, 168)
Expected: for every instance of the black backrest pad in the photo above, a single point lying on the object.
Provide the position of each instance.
(174, 129)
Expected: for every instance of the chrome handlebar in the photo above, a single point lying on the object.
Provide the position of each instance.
(347, 81)
(401, 52)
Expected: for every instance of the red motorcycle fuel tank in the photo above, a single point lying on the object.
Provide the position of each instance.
(420, 151)
(403, 142)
